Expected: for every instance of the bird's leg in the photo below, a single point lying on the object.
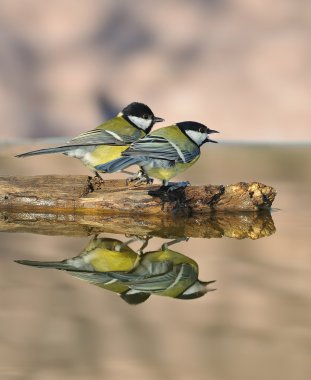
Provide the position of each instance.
(175, 241)
(140, 251)
(145, 240)
(133, 177)
(97, 175)
(144, 246)
(145, 178)
(134, 238)
(139, 178)
(97, 180)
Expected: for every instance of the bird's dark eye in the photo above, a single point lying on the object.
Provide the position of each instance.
(145, 116)
(202, 129)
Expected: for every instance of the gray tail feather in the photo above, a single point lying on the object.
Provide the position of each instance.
(59, 149)
(47, 264)
(118, 164)
(91, 277)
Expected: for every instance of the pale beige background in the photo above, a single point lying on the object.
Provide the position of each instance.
(242, 67)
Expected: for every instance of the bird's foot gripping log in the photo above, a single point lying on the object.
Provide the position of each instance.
(139, 178)
(84, 195)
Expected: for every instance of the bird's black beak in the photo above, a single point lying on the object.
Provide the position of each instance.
(209, 140)
(157, 119)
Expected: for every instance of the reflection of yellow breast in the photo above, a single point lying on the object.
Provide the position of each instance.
(110, 261)
(110, 255)
(103, 154)
(168, 173)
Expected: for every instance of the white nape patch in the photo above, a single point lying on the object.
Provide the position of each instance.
(196, 136)
(140, 122)
(115, 135)
(180, 153)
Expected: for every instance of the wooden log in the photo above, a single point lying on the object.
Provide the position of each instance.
(86, 195)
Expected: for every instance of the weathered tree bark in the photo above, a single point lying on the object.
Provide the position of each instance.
(85, 195)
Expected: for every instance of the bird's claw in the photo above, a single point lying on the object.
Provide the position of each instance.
(144, 180)
(139, 179)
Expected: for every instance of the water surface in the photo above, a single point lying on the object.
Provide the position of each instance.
(255, 325)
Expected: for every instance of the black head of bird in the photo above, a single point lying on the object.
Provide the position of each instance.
(196, 132)
(140, 115)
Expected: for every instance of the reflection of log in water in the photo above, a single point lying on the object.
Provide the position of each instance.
(253, 225)
(83, 195)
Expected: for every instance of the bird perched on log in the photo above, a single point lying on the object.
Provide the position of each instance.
(165, 152)
(106, 142)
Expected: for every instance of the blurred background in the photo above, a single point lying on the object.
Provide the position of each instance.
(242, 67)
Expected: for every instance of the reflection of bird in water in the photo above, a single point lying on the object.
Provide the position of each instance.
(113, 265)
(100, 256)
(166, 273)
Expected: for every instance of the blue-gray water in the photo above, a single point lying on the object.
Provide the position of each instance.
(255, 325)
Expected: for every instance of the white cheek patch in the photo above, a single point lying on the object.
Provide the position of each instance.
(197, 137)
(196, 287)
(140, 122)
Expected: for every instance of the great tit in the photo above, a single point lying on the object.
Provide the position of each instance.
(165, 152)
(112, 265)
(165, 273)
(100, 256)
(108, 140)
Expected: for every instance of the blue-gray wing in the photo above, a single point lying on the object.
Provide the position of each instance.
(153, 284)
(158, 147)
(103, 137)
(156, 283)
(91, 277)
